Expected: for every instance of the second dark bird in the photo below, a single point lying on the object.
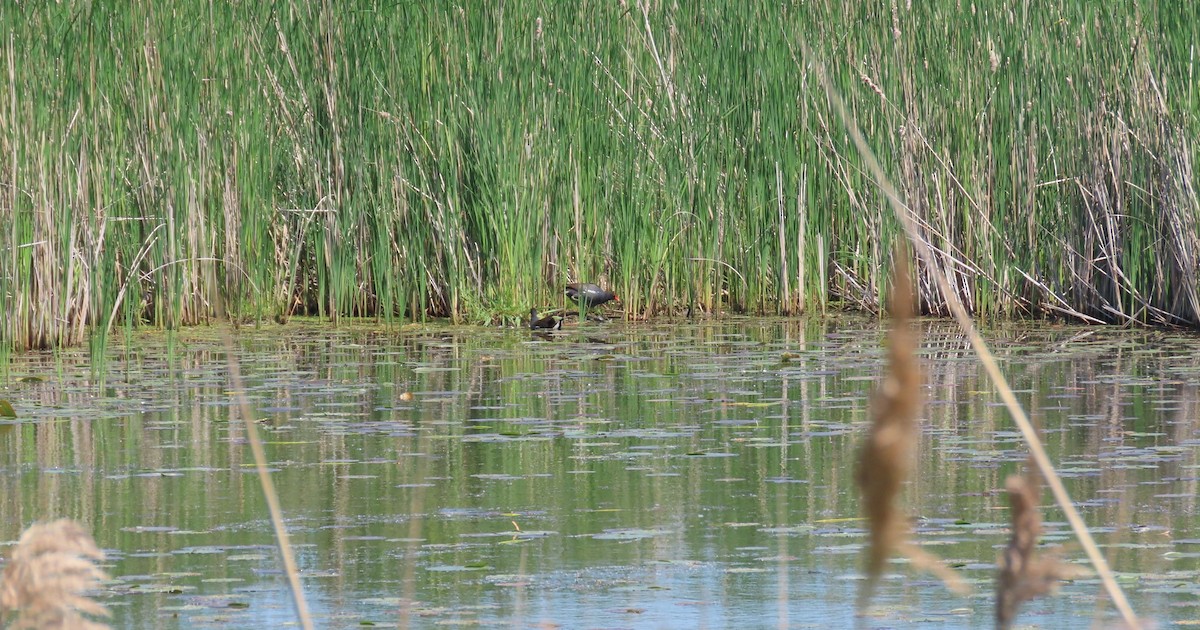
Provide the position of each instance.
(590, 294)
(548, 322)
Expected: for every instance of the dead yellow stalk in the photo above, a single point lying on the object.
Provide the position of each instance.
(268, 486)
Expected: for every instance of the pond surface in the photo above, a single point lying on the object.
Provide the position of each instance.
(682, 475)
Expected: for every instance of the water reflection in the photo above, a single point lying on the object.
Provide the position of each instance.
(682, 475)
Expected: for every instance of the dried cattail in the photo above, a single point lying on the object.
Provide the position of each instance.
(1024, 575)
(993, 55)
(51, 566)
(886, 457)
(871, 84)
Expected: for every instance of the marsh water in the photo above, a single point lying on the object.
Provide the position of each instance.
(671, 475)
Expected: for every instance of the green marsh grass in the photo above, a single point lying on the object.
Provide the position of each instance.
(408, 160)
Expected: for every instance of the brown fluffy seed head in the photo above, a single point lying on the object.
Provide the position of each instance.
(1024, 574)
(51, 566)
(886, 457)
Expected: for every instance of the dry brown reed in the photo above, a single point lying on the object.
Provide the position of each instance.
(1025, 575)
(886, 457)
(51, 567)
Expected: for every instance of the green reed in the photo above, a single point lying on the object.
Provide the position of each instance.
(403, 160)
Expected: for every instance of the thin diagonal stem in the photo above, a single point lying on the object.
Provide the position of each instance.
(268, 486)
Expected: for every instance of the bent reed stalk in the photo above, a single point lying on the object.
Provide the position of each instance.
(411, 161)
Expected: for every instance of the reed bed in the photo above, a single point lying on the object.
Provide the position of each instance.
(412, 160)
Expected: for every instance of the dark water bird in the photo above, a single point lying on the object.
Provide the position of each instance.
(548, 322)
(590, 294)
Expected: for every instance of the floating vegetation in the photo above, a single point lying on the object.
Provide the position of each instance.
(630, 534)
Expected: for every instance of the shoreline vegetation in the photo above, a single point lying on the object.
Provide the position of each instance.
(171, 165)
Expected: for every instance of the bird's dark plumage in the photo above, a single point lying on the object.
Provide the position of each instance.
(590, 294)
(547, 322)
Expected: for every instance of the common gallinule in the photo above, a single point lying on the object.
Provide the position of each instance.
(590, 294)
(548, 322)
